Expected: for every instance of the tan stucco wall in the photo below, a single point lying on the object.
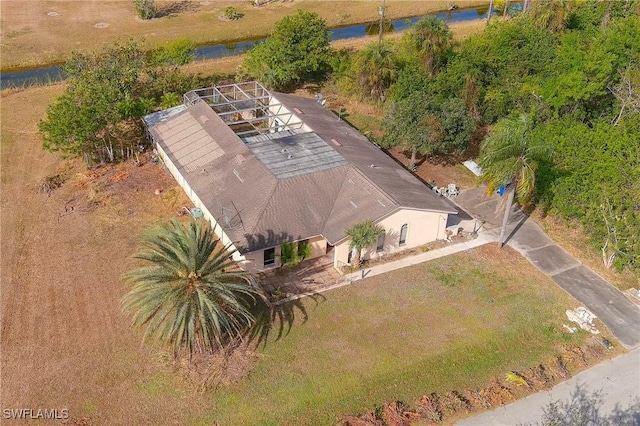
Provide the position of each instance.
(422, 227)
(254, 261)
(318, 247)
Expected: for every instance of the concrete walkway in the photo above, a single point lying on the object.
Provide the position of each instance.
(613, 308)
(618, 380)
(382, 268)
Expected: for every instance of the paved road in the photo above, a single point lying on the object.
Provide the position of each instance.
(614, 309)
(618, 379)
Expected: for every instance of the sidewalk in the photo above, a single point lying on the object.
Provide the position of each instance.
(482, 239)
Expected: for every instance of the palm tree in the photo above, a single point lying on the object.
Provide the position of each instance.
(362, 235)
(376, 69)
(552, 14)
(509, 158)
(431, 38)
(192, 296)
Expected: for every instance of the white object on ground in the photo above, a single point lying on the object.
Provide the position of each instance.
(474, 167)
(584, 318)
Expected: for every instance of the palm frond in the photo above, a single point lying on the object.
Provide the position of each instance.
(187, 298)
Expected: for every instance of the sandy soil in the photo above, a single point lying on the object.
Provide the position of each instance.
(45, 31)
(65, 343)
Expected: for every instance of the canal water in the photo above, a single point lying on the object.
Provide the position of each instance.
(54, 73)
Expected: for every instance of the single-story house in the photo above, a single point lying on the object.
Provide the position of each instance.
(265, 168)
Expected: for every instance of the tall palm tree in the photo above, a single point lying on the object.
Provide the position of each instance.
(192, 295)
(431, 38)
(509, 158)
(376, 69)
(552, 14)
(362, 235)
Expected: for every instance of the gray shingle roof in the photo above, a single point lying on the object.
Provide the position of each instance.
(261, 197)
(395, 181)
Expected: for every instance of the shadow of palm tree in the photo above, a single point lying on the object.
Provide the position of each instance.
(279, 318)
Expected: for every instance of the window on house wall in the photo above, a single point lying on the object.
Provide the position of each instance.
(269, 256)
(380, 245)
(403, 234)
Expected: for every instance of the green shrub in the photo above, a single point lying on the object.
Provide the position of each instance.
(232, 13)
(146, 9)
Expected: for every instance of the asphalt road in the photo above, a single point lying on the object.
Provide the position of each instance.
(618, 381)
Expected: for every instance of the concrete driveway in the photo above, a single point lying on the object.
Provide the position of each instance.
(618, 313)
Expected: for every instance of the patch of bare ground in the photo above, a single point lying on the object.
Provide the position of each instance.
(436, 408)
(207, 370)
(65, 342)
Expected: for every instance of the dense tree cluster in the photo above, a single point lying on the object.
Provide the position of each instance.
(572, 69)
(297, 49)
(98, 115)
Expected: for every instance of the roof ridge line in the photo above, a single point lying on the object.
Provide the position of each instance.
(375, 185)
(269, 198)
(335, 198)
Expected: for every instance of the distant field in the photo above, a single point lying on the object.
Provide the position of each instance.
(456, 322)
(38, 32)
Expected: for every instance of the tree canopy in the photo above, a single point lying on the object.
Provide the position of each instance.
(376, 69)
(192, 295)
(297, 49)
(97, 117)
(422, 124)
(431, 39)
(510, 158)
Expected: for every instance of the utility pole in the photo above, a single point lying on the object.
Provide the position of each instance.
(381, 10)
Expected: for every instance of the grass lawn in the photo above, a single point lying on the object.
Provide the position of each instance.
(453, 323)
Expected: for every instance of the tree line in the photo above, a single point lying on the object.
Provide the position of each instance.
(556, 88)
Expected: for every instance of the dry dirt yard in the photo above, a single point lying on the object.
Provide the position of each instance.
(65, 343)
(41, 32)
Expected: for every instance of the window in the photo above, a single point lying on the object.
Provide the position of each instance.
(403, 234)
(380, 245)
(270, 256)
